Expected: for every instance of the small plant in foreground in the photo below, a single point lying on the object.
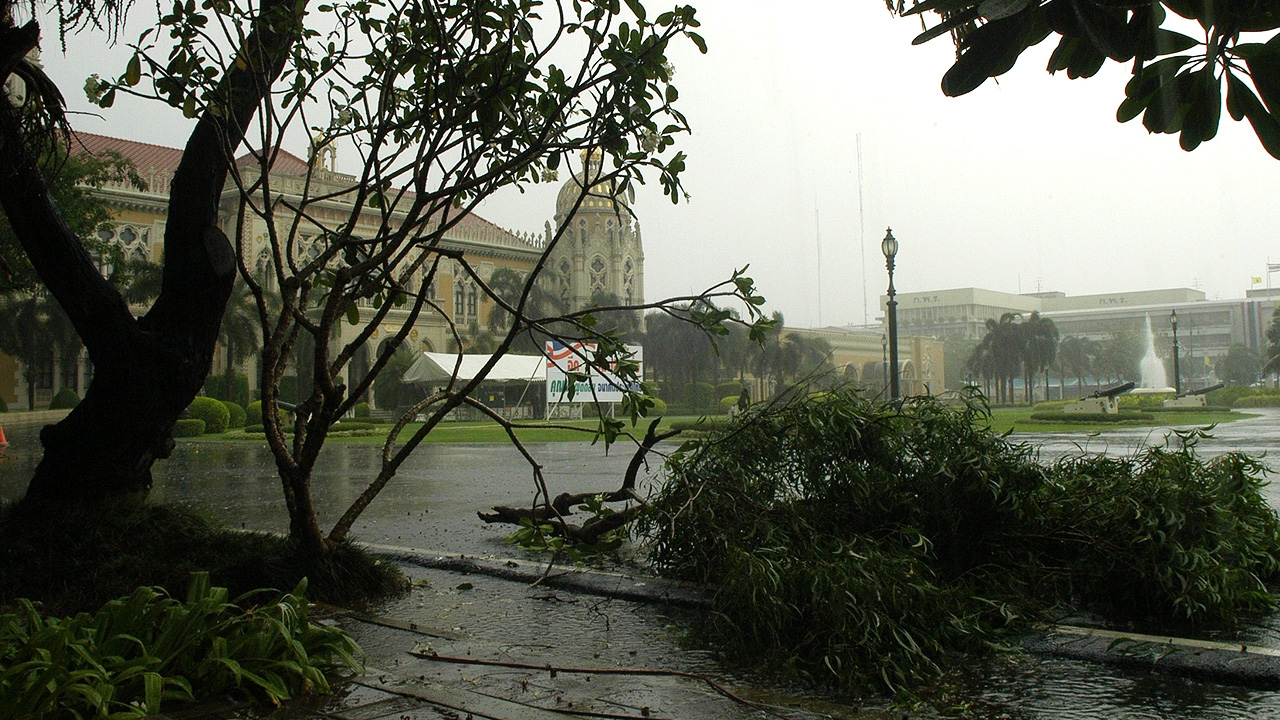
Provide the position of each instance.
(148, 651)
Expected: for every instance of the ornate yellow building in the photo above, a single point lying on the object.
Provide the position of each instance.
(600, 251)
(600, 254)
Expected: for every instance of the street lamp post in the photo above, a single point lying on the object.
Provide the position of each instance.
(889, 246)
(1177, 376)
(884, 346)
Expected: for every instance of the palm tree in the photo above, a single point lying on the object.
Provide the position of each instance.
(33, 330)
(1039, 346)
(240, 333)
(999, 354)
(1076, 356)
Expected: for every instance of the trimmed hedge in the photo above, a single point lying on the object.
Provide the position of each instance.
(253, 413)
(1061, 417)
(237, 414)
(188, 427)
(362, 410)
(1257, 401)
(4, 406)
(64, 399)
(215, 415)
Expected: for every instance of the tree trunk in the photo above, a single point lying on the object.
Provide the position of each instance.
(148, 369)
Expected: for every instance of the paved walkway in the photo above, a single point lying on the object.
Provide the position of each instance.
(33, 418)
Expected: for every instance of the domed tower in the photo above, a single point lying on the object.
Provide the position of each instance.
(600, 251)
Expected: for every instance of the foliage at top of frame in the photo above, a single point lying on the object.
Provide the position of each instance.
(1178, 79)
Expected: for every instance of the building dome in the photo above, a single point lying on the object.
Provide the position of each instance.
(602, 196)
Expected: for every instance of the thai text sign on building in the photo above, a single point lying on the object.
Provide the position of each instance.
(600, 385)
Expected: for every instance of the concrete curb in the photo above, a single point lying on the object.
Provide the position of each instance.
(1236, 664)
(624, 586)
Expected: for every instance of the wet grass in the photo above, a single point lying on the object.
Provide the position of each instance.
(73, 558)
(462, 432)
(1019, 421)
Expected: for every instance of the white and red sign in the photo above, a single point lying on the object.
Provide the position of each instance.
(601, 384)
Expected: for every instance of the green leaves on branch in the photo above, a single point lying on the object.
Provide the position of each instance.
(1177, 79)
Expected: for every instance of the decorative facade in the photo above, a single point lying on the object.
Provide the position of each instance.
(600, 258)
(601, 254)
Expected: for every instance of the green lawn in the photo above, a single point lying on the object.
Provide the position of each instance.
(1019, 420)
(461, 432)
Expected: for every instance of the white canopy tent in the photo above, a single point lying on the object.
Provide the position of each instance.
(439, 368)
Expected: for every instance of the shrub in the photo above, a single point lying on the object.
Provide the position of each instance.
(215, 415)
(4, 406)
(355, 425)
(237, 414)
(702, 396)
(253, 413)
(1146, 401)
(727, 403)
(289, 389)
(255, 429)
(215, 386)
(1257, 401)
(188, 427)
(729, 388)
(64, 399)
(362, 410)
(869, 544)
(1229, 395)
(140, 652)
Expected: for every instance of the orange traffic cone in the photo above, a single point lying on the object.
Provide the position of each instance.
(3, 441)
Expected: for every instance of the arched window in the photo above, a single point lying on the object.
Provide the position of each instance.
(598, 268)
(459, 300)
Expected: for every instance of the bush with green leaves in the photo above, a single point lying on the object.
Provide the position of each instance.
(213, 412)
(4, 406)
(362, 410)
(253, 413)
(869, 544)
(659, 407)
(188, 427)
(1160, 534)
(237, 414)
(702, 396)
(1228, 396)
(1146, 401)
(148, 652)
(215, 386)
(1257, 401)
(64, 399)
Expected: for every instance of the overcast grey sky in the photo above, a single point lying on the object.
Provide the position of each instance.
(1023, 185)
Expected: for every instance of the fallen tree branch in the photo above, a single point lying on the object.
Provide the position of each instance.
(592, 530)
(634, 672)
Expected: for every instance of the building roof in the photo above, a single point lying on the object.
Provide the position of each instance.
(147, 158)
(157, 163)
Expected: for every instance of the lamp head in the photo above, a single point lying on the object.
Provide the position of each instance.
(889, 246)
(1173, 319)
